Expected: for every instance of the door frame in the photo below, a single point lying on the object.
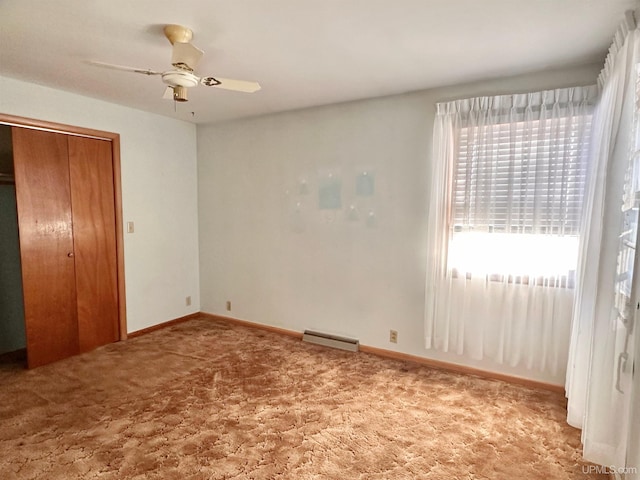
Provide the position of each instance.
(114, 138)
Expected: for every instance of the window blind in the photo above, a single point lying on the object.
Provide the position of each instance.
(526, 176)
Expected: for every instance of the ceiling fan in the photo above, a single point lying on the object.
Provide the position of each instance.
(184, 59)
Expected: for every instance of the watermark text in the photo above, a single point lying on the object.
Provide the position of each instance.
(609, 470)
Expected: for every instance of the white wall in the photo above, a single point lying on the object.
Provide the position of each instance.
(282, 261)
(159, 184)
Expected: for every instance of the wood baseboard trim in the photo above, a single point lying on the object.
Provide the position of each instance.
(463, 369)
(162, 325)
(260, 326)
(428, 362)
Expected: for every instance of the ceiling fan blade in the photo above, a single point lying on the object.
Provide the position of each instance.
(185, 56)
(168, 93)
(229, 84)
(144, 71)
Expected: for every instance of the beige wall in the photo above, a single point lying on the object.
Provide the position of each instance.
(282, 261)
(263, 243)
(158, 156)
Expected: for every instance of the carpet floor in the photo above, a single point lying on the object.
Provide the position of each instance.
(207, 399)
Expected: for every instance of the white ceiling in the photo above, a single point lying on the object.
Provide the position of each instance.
(303, 52)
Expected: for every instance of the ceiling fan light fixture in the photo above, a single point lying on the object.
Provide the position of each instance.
(180, 94)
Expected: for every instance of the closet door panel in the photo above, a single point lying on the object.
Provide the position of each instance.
(46, 244)
(92, 203)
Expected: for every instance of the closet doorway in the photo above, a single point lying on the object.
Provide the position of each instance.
(67, 189)
(12, 334)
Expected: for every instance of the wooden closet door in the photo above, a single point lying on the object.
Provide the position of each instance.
(46, 244)
(94, 221)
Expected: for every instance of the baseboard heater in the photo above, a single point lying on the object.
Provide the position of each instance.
(331, 341)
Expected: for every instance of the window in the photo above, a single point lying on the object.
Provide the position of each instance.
(628, 234)
(517, 198)
(509, 173)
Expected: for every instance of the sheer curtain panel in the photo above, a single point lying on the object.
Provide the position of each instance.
(600, 380)
(508, 178)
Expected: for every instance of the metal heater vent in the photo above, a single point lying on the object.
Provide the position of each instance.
(333, 341)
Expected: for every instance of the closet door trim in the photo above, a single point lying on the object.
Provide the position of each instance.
(114, 138)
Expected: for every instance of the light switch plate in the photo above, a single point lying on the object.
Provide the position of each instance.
(130, 227)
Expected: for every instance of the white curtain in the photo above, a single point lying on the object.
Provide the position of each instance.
(599, 372)
(505, 207)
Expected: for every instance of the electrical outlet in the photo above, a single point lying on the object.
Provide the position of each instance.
(228, 305)
(187, 301)
(393, 336)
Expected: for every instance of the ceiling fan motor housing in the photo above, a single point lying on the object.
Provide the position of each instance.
(178, 33)
(180, 78)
